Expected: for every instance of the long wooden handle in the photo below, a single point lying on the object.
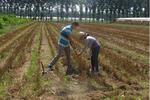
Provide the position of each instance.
(42, 66)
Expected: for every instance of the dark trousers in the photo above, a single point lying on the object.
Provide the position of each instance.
(94, 58)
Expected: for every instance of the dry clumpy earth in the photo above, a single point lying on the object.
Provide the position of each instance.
(124, 63)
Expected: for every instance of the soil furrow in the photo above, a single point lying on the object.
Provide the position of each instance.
(19, 66)
(4, 39)
(120, 42)
(6, 64)
(125, 33)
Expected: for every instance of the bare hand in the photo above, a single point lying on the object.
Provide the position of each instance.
(79, 54)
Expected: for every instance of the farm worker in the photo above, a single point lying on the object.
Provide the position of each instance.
(94, 46)
(64, 43)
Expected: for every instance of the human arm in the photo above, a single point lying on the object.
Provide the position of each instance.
(85, 48)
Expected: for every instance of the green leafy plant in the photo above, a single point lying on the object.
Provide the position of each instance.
(1, 26)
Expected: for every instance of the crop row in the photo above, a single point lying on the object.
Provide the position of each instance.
(13, 34)
(18, 65)
(7, 63)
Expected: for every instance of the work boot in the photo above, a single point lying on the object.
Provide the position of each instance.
(69, 71)
(94, 72)
(91, 71)
(50, 68)
(97, 73)
(44, 72)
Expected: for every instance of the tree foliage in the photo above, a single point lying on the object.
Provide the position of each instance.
(96, 10)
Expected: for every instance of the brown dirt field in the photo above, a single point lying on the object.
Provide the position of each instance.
(122, 77)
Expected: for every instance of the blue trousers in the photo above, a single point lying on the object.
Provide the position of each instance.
(94, 58)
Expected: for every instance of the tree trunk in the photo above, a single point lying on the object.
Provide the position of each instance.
(98, 13)
(86, 13)
(81, 12)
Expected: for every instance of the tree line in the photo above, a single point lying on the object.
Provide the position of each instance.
(88, 10)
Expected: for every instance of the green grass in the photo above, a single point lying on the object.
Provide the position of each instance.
(33, 66)
(9, 22)
(4, 30)
(6, 81)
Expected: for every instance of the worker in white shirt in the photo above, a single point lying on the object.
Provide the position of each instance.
(92, 44)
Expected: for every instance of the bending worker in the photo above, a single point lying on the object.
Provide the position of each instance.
(94, 46)
(64, 43)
